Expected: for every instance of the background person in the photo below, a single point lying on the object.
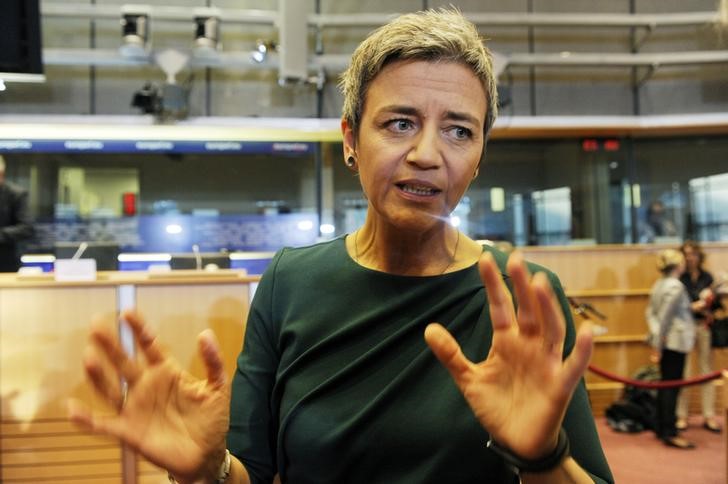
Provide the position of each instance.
(15, 222)
(657, 223)
(336, 382)
(696, 280)
(672, 336)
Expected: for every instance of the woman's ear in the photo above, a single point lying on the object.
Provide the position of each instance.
(349, 139)
(477, 171)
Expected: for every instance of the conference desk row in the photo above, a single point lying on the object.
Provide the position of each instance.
(44, 327)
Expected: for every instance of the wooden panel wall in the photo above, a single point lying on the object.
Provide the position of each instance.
(43, 331)
(616, 280)
(42, 335)
(179, 314)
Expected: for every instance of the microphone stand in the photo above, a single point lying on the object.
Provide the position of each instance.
(586, 310)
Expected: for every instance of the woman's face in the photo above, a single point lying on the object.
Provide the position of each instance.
(420, 140)
(692, 260)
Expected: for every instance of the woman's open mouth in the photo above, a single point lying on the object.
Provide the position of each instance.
(418, 190)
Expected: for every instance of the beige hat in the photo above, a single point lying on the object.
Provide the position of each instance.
(669, 258)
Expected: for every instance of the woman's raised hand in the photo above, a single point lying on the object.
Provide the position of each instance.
(521, 391)
(176, 421)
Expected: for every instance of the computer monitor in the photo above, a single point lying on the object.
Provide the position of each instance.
(189, 260)
(105, 253)
(21, 58)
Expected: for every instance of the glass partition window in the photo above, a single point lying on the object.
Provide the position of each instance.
(170, 202)
(528, 192)
(583, 191)
(709, 200)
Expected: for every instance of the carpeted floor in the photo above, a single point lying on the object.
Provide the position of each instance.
(642, 459)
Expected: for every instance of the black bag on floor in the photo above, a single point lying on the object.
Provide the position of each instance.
(719, 333)
(636, 410)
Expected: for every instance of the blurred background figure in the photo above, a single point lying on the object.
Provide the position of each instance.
(696, 280)
(658, 224)
(15, 224)
(672, 337)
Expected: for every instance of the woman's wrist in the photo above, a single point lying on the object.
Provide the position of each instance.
(543, 464)
(216, 473)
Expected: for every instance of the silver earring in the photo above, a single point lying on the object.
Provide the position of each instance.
(350, 161)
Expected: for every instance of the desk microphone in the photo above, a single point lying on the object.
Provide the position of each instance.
(79, 252)
(198, 257)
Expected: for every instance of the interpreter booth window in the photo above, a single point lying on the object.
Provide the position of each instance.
(552, 210)
(680, 189)
(542, 192)
(709, 201)
(170, 203)
(551, 192)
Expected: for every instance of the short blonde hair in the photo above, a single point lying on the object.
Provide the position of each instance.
(668, 259)
(431, 35)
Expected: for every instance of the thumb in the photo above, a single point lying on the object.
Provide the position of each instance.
(209, 350)
(446, 349)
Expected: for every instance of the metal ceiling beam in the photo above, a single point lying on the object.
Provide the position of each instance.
(243, 60)
(566, 59)
(527, 19)
(502, 19)
(95, 11)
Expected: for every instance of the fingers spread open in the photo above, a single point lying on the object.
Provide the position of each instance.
(104, 379)
(446, 349)
(212, 357)
(109, 344)
(528, 314)
(552, 319)
(145, 337)
(500, 303)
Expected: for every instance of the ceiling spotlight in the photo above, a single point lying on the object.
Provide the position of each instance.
(207, 31)
(134, 30)
(207, 28)
(262, 49)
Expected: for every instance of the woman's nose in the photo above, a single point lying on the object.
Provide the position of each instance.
(426, 151)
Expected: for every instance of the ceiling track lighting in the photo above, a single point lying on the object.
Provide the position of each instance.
(134, 31)
(207, 29)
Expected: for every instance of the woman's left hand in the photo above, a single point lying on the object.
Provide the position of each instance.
(521, 391)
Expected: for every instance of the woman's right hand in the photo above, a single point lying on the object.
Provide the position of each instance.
(173, 419)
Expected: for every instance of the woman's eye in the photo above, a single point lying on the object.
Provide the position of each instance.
(461, 133)
(401, 124)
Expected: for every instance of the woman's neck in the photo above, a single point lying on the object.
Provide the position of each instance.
(395, 250)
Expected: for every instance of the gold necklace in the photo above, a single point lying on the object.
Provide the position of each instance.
(452, 258)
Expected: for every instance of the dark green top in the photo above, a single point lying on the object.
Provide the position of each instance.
(335, 383)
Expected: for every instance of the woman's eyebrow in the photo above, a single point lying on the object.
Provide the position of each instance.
(400, 109)
(461, 116)
(412, 111)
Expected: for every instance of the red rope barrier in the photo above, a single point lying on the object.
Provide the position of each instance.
(656, 384)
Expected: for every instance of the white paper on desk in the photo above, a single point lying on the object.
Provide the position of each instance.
(75, 269)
